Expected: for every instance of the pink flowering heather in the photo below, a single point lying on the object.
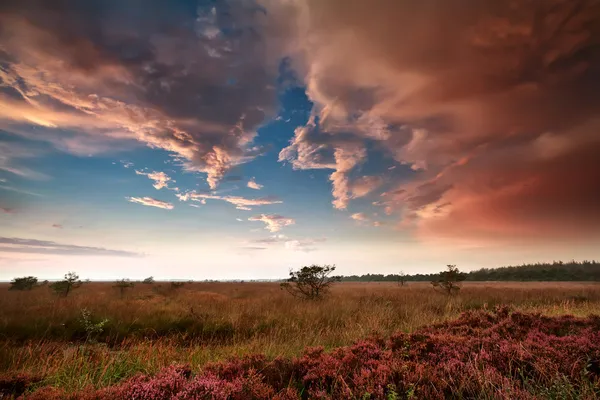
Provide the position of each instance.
(499, 355)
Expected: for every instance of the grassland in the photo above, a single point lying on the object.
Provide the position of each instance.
(153, 326)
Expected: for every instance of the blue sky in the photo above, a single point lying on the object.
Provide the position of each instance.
(231, 139)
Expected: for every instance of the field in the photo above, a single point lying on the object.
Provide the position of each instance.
(96, 338)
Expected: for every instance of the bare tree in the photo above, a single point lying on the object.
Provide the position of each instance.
(401, 278)
(311, 282)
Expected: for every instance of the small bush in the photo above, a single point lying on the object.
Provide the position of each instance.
(123, 285)
(64, 287)
(149, 280)
(24, 283)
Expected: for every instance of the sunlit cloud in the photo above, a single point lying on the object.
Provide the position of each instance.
(273, 222)
(151, 202)
(253, 185)
(241, 203)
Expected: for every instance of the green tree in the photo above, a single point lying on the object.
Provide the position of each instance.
(67, 285)
(123, 285)
(449, 280)
(24, 283)
(311, 282)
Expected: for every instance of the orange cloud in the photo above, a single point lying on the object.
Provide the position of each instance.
(495, 107)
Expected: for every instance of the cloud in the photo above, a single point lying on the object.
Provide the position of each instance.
(273, 222)
(313, 148)
(6, 210)
(12, 155)
(34, 246)
(57, 226)
(361, 217)
(91, 80)
(300, 244)
(151, 202)
(161, 180)
(304, 245)
(493, 106)
(253, 248)
(365, 185)
(241, 203)
(253, 185)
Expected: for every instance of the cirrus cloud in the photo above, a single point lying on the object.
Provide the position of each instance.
(150, 202)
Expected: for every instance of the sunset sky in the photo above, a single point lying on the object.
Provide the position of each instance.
(238, 139)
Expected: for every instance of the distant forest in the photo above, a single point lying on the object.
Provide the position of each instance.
(556, 271)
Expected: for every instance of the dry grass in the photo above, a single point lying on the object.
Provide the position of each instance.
(148, 329)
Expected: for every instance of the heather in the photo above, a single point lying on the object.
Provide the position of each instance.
(97, 337)
(482, 354)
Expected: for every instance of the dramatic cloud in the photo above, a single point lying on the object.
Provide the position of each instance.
(273, 222)
(241, 203)
(312, 148)
(365, 185)
(33, 246)
(151, 202)
(192, 80)
(161, 180)
(361, 217)
(253, 185)
(493, 105)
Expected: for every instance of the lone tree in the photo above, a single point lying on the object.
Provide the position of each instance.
(64, 287)
(149, 280)
(401, 278)
(24, 283)
(123, 285)
(449, 280)
(311, 283)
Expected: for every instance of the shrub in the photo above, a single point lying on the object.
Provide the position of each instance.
(92, 329)
(123, 285)
(311, 283)
(64, 287)
(177, 285)
(24, 283)
(149, 280)
(449, 280)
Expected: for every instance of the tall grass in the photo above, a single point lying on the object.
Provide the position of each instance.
(148, 329)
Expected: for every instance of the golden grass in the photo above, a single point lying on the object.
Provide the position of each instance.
(204, 322)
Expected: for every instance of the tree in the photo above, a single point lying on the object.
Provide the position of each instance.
(311, 283)
(123, 285)
(149, 280)
(177, 285)
(64, 287)
(449, 280)
(401, 278)
(24, 283)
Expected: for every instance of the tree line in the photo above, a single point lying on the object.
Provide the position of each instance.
(555, 271)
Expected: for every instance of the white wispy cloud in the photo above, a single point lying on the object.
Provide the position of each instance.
(273, 222)
(151, 202)
(161, 180)
(241, 203)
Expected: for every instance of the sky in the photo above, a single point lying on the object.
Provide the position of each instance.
(189, 139)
